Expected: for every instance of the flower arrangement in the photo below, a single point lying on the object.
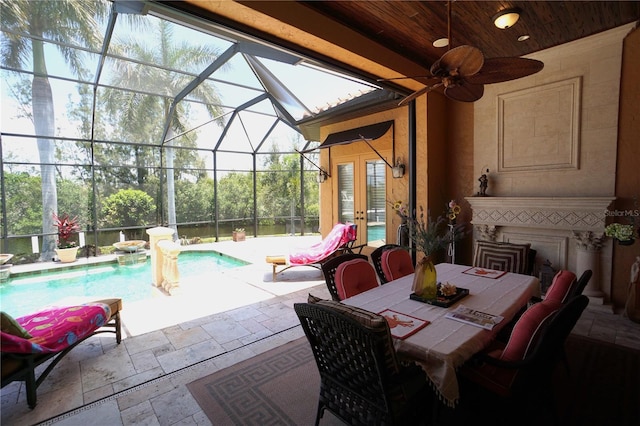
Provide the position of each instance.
(67, 228)
(453, 211)
(426, 234)
(619, 231)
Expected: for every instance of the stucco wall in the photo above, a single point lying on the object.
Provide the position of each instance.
(555, 134)
(559, 128)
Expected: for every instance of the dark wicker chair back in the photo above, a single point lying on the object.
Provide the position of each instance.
(358, 383)
(581, 283)
(376, 259)
(329, 270)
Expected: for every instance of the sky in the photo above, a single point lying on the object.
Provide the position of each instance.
(312, 87)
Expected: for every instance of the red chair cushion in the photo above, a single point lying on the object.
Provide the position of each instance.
(561, 287)
(355, 276)
(396, 263)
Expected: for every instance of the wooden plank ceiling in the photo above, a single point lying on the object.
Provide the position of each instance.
(412, 26)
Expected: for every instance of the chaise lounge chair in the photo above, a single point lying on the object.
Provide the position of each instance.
(340, 240)
(51, 333)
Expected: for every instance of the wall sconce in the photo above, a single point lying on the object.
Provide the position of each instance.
(398, 170)
(506, 18)
(322, 175)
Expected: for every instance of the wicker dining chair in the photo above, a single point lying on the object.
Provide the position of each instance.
(330, 267)
(361, 380)
(376, 259)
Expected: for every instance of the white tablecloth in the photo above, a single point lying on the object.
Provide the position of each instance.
(445, 344)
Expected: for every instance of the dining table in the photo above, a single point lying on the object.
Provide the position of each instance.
(444, 344)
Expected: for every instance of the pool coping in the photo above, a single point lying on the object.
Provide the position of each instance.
(39, 268)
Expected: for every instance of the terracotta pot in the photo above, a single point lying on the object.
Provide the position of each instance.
(67, 255)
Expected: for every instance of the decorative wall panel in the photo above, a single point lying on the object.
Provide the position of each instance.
(539, 127)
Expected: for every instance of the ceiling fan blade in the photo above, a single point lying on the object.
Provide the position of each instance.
(464, 92)
(462, 60)
(428, 77)
(497, 70)
(417, 93)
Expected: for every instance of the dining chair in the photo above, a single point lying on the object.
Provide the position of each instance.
(376, 260)
(559, 292)
(330, 267)
(581, 283)
(518, 373)
(362, 382)
(396, 263)
(355, 276)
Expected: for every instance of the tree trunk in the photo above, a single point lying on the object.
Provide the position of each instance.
(44, 124)
(171, 186)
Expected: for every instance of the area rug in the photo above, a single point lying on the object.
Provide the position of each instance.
(280, 387)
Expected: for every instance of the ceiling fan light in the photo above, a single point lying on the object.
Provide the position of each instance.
(506, 18)
(441, 42)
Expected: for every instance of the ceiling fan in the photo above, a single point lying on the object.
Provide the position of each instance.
(463, 71)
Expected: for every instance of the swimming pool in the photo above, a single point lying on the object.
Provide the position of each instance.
(25, 294)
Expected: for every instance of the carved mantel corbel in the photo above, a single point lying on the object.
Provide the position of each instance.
(487, 232)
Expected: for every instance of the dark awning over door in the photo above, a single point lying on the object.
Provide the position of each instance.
(371, 132)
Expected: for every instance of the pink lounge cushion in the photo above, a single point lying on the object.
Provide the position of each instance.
(396, 263)
(54, 329)
(355, 276)
(561, 287)
(340, 235)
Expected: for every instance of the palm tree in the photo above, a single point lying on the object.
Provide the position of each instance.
(27, 24)
(143, 109)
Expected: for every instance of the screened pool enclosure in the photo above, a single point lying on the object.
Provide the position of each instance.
(130, 115)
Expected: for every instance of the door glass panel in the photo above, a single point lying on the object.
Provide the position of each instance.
(345, 193)
(376, 201)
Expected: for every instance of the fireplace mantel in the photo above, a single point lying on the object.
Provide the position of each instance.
(567, 213)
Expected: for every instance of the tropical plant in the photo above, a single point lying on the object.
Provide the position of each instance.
(128, 208)
(145, 113)
(67, 23)
(67, 229)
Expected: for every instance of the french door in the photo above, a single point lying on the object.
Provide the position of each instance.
(361, 195)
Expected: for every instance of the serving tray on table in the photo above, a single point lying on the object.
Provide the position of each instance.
(442, 301)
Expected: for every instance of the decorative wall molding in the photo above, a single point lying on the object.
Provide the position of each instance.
(567, 213)
(539, 127)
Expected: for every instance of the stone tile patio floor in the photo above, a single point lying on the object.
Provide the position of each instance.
(217, 320)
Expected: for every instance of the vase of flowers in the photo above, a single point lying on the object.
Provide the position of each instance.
(624, 233)
(67, 247)
(427, 236)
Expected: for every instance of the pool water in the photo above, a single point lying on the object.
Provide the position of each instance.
(22, 295)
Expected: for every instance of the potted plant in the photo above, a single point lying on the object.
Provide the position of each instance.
(428, 236)
(624, 233)
(239, 234)
(68, 227)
